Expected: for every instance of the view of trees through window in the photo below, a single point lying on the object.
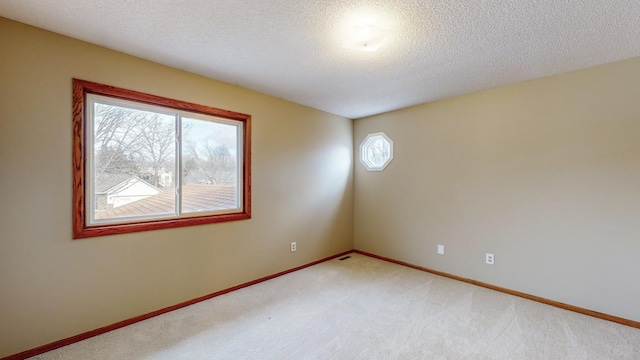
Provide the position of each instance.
(138, 154)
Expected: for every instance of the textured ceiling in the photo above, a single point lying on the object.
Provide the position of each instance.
(293, 49)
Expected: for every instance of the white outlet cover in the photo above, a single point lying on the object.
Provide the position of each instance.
(490, 259)
(441, 249)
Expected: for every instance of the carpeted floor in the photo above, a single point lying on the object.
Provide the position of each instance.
(363, 308)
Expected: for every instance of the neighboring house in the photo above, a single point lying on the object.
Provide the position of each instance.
(195, 198)
(164, 178)
(115, 190)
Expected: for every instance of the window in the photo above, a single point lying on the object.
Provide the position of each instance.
(144, 162)
(376, 151)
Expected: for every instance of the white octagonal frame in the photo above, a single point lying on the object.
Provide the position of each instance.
(376, 151)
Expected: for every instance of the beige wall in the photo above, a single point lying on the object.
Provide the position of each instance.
(545, 174)
(52, 287)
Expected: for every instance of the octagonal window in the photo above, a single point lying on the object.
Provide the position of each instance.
(376, 151)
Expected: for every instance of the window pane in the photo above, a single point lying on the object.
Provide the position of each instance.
(133, 163)
(210, 171)
(378, 151)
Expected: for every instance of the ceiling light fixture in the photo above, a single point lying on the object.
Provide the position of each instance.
(366, 37)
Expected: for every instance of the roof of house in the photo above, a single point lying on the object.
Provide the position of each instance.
(106, 181)
(195, 198)
(109, 183)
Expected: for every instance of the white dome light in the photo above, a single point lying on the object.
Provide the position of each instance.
(365, 33)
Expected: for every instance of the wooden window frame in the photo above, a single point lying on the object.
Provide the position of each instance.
(81, 229)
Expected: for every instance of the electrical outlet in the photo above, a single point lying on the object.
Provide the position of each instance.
(293, 246)
(441, 249)
(490, 259)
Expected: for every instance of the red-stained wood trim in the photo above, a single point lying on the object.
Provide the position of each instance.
(73, 339)
(80, 227)
(113, 229)
(539, 299)
(247, 167)
(124, 94)
(79, 153)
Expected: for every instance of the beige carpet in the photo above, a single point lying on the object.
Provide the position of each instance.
(363, 308)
